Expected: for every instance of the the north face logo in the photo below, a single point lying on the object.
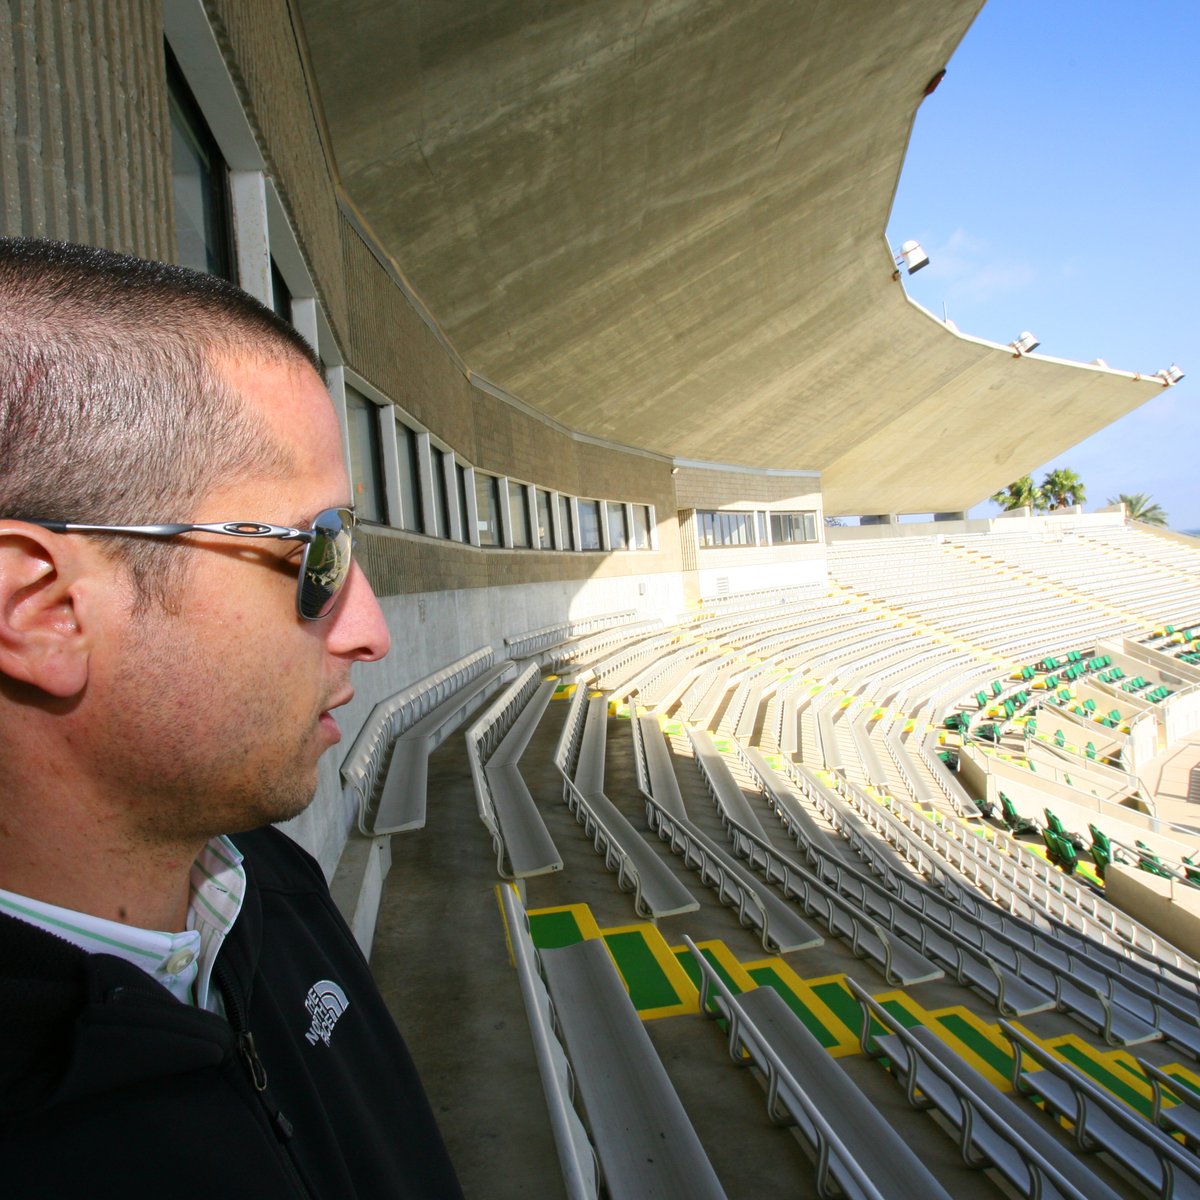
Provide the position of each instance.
(325, 1003)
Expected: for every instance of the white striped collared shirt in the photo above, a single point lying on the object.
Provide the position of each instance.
(181, 962)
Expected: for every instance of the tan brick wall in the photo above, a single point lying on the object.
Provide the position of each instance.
(391, 347)
(84, 133)
(704, 489)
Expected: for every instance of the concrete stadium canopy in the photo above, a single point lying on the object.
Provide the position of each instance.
(662, 224)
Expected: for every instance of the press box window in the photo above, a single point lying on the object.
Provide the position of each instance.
(643, 526)
(460, 474)
(589, 525)
(409, 455)
(443, 496)
(566, 534)
(790, 527)
(366, 461)
(281, 296)
(518, 514)
(545, 524)
(618, 527)
(487, 503)
(720, 529)
(200, 185)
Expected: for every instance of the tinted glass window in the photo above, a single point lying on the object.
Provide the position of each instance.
(618, 527)
(641, 526)
(589, 524)
(199, 184)
(565, 532)
(408, 451)
(366, 467)
(545, 526)
(487, 501)
(443, 494)
(461, 474)
(518, 513)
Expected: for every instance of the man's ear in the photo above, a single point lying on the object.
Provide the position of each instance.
(43, 639)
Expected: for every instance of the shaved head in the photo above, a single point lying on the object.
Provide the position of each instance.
(114, 402)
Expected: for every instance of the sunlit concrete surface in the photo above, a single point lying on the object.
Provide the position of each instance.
(663, 224)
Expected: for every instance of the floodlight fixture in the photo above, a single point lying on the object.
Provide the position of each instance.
(1024, 343)
(1169, 375)
(911, 257)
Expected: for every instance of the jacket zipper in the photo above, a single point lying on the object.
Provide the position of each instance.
(235, 1014)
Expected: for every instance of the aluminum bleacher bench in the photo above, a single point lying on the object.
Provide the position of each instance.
(759, 906)
(900, 963)
(804, 828)
(507, 809)
(589, 767)
(1181, 1117)
(658, 891)
(855, 1147)
(663, 785)
(1102, 1123)
(992, 1130)
(576, 1156)
(722, 786)
(403, 730)
(830, 754)
(643, 1139)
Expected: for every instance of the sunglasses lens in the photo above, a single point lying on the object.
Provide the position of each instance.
(327, 562)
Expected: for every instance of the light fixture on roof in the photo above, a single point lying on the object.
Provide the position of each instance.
(912, 257)
(1169, 375)
(1025, 343)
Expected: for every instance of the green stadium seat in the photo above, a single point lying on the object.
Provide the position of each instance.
(1016, 823)
(1102, 851)
(1056, 827)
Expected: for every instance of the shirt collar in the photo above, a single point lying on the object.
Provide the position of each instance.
(181, 962)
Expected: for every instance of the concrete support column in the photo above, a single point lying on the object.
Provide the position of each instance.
(248, 201)
(85, 143)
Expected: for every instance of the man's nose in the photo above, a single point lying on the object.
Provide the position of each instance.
(359, 630)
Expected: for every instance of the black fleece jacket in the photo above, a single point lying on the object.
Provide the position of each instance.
(111, 1087)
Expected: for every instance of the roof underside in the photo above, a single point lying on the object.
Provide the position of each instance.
(663, 224)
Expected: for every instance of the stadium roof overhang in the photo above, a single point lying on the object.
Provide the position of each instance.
(663, 225)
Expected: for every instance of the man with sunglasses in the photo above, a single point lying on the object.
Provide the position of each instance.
(184, 1011)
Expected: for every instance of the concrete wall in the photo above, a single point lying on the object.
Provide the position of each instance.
(84, 136)
(1171, 909)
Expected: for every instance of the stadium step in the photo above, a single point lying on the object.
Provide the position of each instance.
(663, 982)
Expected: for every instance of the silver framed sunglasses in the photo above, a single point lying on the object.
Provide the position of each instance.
(324, 569)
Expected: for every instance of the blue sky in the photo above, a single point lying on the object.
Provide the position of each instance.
(1054, 180)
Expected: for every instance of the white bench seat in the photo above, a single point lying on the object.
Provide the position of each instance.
(992, 1131)
(759, 906)
(403, 801)
(855, 1147)
(644, 1140)
(1103, 1123)
(722, 786)
(664, 786)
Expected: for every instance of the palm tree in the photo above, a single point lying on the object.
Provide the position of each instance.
(1063, 488)
(1021, 493)
(1139, 507)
